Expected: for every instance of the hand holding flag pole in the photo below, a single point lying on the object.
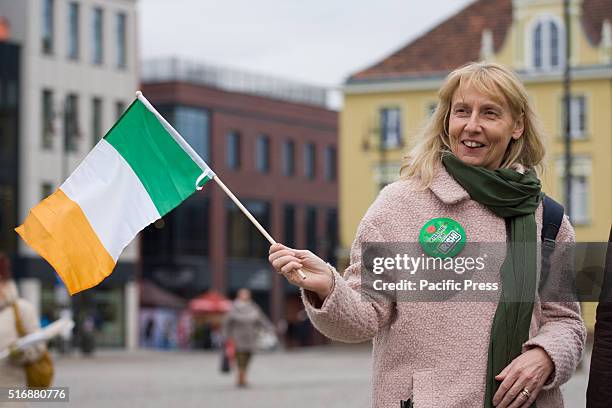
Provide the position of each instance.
(216, 178)
(250, 217)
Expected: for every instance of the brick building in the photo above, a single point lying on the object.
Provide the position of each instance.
(273, 143)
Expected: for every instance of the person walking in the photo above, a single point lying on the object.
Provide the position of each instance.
(12, 370)
(242, 325)
(474, 171)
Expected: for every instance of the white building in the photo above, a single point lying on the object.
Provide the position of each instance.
(79, 71)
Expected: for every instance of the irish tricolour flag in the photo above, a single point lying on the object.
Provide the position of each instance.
(136, 174)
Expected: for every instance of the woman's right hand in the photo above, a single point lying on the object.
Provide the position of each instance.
(287, 261)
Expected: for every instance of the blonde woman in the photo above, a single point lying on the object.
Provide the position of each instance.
(476, 163)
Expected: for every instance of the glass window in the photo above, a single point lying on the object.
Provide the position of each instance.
(233, 150)
(288, 158)
(330, 163)
(311, 228)
(97, 46)
(119, 109)
(96, 120)
(71, 122)
(537, 46)
(190, 226)
(554, 44)
(7, 217)
(390, 127)
(46, 189)
(431, 108)
(121, 40)
(47, 119)
(263, 154)
(243, 239)
(309, 160)
(73, 30)
(289, 225)
(47, 26)
(577, 117)
(331, 235)
(580, 185)
(547, 45)
(193, 125)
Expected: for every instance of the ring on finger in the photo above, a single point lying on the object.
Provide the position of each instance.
(525, 393)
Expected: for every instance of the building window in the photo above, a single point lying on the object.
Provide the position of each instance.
(47, 119)
(390, 128)
(243, 239)
(288, 158)
(311, 228)
(547, 45)
(331, 167)
(46, 189)
(73, 30)
(119, 109)
(193, 125)
(262, 152)
(121, 40)
(578, 126)
(233, 150)
(97, 46)
(289, 225)
(331, 235)
(71, 122)
(309, 160)
(190, 227)
(580, 185)
(431, 108)
(47, 26)
(96, 120)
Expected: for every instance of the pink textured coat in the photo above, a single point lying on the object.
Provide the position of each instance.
(436, 352)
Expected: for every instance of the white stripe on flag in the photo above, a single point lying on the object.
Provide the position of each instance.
(112, 197)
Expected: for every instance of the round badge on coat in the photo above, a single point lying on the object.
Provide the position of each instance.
(442, 237)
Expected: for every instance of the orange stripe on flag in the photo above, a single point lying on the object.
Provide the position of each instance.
(58, 230)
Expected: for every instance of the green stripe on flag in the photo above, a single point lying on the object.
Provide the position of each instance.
(164, 168)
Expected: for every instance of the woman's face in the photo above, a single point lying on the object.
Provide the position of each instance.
(480, 128)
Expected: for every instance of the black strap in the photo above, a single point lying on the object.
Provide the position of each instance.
(552, 218)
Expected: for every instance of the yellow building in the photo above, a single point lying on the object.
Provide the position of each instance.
(386, 104)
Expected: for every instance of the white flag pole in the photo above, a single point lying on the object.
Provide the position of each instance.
(179, 139)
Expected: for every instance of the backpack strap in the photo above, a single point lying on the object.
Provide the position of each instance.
(552, 218)
(18, 323)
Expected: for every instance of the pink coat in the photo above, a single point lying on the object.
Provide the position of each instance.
(436, 352)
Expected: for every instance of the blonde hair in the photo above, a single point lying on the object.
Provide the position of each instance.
(497, 82)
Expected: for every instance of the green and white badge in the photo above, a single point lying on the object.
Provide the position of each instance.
(442, 237)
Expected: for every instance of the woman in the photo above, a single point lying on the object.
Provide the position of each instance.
(474, 163)
(242, 325)
(12, 371)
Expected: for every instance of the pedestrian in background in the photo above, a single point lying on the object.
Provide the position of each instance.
(473, 174)
(12, 370)
(243, 324)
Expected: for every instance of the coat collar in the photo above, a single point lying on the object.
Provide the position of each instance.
(446, 188)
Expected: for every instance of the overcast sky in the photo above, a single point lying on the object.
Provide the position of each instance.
(316, 41)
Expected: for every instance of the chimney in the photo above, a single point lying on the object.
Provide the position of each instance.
(486, 45)
(5, 29)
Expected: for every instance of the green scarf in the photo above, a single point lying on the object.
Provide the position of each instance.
(514, 197)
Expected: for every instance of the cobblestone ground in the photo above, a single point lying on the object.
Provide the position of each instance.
(335, 376)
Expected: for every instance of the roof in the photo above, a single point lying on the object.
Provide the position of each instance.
(594, 12)
(457, 40)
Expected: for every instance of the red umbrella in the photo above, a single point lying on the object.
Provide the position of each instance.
(210, 302)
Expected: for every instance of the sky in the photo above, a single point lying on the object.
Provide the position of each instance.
(320, 42)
